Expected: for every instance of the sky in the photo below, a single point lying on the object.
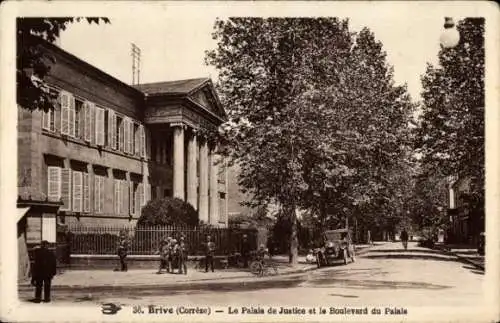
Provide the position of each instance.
(173, 41)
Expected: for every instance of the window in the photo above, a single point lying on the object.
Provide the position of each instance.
(142, 141)
(137, 138)
(98, 193)
(53, 183)
(66, 189)
(88, 117)
(79, 121)
(67, 101)
(132, 197)
(117, 200)
(77, 191)
(99, 126)
(112, 131)
(48, 120)
(120, 133)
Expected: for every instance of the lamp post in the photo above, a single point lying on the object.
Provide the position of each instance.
(450, 36)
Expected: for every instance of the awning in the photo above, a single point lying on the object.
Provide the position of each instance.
(21, 212)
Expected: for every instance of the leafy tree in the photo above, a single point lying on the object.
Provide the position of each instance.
(450, 136)
(315, 119)
(33, 64)
(168, 211)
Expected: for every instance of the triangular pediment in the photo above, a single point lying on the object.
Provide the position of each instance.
(205, 96)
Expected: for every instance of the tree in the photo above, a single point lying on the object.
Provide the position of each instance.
(168, 211)
(33, 64)
(311, 112)
(450, 136)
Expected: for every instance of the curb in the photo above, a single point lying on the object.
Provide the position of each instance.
(461, 258)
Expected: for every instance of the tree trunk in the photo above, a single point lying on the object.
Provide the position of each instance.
(294, 241)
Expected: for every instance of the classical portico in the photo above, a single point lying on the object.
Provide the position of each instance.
(184, 163)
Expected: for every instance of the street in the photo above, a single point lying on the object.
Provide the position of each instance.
(385, 275)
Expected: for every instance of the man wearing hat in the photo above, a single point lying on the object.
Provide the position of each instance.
(122, 251)
(164, 254)
(209, 253)
(44, 269)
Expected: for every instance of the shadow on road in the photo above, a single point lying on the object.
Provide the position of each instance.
(408, 250)
(410, 256)
(371, 284)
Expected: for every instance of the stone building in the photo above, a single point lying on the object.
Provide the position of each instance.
(109, 147)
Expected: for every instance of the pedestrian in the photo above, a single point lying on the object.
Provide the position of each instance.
(122, 251)
(369, 237)
(404, 238)
(182, 255)
(209, 253)
(164, 253)
(245, 250)
(174, 259)
(44, 269)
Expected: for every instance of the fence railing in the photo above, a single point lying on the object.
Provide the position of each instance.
(146, 240)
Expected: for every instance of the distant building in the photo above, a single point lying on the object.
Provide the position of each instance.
(108, 148)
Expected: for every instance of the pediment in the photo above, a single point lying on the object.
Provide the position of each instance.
(206, 97)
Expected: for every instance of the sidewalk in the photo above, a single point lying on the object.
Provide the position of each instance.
(95, 280)
(465, 253)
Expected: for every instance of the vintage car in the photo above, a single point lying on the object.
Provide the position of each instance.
(336, 247)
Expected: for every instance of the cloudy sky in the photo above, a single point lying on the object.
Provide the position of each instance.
(173, 38)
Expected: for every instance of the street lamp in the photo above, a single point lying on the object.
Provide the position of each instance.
(450, 36)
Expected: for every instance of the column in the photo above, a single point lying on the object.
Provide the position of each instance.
(191, 171)
(179, 161)
(203, 208)
(214, 188)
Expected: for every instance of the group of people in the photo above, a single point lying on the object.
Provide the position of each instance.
(171, 251)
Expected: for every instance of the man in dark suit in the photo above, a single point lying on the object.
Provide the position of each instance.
(44, 269)
(209, 253)
(245, 250)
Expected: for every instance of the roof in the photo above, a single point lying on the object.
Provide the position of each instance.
(172, 87)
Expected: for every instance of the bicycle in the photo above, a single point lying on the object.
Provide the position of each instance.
(262, 267)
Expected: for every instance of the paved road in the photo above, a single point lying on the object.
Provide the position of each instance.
(385, 275)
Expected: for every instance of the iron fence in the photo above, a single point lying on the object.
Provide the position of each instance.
(146, 240)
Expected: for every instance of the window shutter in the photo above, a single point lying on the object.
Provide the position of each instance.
(92, 112)
(64, 101)
(77, 191)
(72, 114)
(125, 194)
(66, 189)
(125, 134)
(131, 137)
(112, 129)
(101, 194)
(142, 136)
(131, 197)
(138, 199)
(121, 137)
(86, 192)
(97, 193)
(141, 195)
(137, 144)
(46, 120)
(86, 121)
(117, 196)
(99, 126)
(54, 183)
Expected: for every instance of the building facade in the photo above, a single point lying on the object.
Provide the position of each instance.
(108, 148)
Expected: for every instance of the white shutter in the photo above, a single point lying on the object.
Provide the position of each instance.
(86, 121)
(125, 202)
(99, 126)
(117, 196)
(86, 192)
(137, 143)
(77, 191)
(66, 189)
(142, 135)
(54, 183)
(72, 115)
(131, 198)
(126, 129)
(64, 101)
(121, 136)
(112, 129)
(46, 120)
(131, 137)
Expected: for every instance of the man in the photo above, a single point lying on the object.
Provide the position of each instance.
(209, 253)
(122, 251)
(404, 238)
(44, 269)
(245, 250)
(182, 255)
(164, 254)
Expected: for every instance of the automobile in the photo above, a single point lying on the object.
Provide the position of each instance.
(336, 247)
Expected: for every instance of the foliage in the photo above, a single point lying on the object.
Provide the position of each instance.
(451, 131)
(168, 211)
(316, 121)
(33, 63)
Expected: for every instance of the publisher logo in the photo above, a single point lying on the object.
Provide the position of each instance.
(110, 308)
